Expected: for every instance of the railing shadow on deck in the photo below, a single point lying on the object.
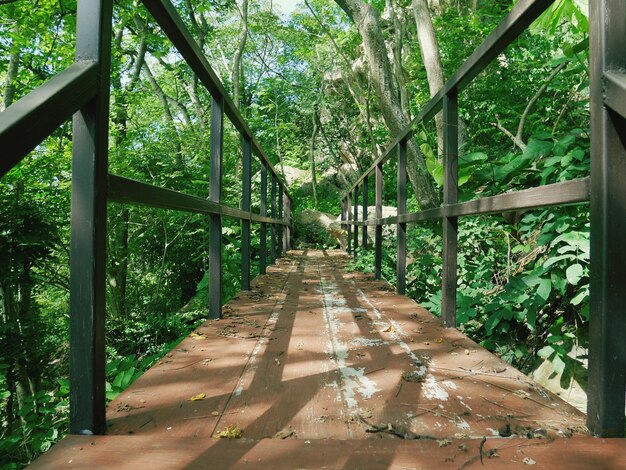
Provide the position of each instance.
(605, 189)
(83, 91)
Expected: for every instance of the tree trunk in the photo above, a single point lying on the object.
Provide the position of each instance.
(312, 157)
(237, 62)
(367, 20)
(118, 261)
(429, 49)
(397, 47)
(9, 83)
(167, 115)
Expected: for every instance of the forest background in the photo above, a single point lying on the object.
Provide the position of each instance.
(324, 89)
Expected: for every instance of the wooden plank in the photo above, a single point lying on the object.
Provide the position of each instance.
(615, 97)
(450, 197)
(607, 319)
(557, 194)
(401, 227)
(355, 218)
(215, 196)
(349, 221)
(273, 214)
(28, 121)
(88, 226)
(263, 230)
(327, 355)
(246, 193)
(132, 452)
(289, 383)
(364, 209)
(128, 191)
(378, 236)
(280, 235)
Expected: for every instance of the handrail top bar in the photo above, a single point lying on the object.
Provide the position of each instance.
(512, 25)
(173, 26)
(42, 110)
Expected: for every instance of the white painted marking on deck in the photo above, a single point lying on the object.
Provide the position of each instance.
(353, 379)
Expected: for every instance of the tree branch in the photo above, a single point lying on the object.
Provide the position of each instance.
(535, 98)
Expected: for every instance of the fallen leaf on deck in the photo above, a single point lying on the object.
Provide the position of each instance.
(199, 396)
(389, 329)
(373, 331)
(412, 376)
(284, 434)
(439, 340)
(277, 361)
(231, 432)
(443, 442)
(197, 337)
(215, 413)
(528, 461)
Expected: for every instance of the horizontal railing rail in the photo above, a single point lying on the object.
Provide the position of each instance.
(605, 189)
(125, 190)
(82, 91)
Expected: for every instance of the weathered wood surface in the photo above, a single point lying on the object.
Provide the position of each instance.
(318, 355)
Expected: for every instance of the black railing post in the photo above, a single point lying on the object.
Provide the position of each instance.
(88, 227)
(286, 217)
(288, 220)
(280, 241)
(263, 231)
(450, 195)
(355, 215)
(215, 195)
(607, 313)
(365, 197)
(349, 222)
(401, 227)
(273, 215)
(378, 236)
(246, 186)
(344, 215)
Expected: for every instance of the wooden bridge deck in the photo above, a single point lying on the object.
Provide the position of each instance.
(311, 361)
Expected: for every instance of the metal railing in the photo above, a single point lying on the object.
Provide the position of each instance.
(606, 189)
(82, 91)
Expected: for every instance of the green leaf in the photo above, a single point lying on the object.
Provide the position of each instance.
(574, 273)
(492, 322)
(557, 364)
(545, 352)
(555, 259)
(544, 289)
(582, 295)
(537, 148)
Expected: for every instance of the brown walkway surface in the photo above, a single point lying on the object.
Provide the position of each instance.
(309, 361)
